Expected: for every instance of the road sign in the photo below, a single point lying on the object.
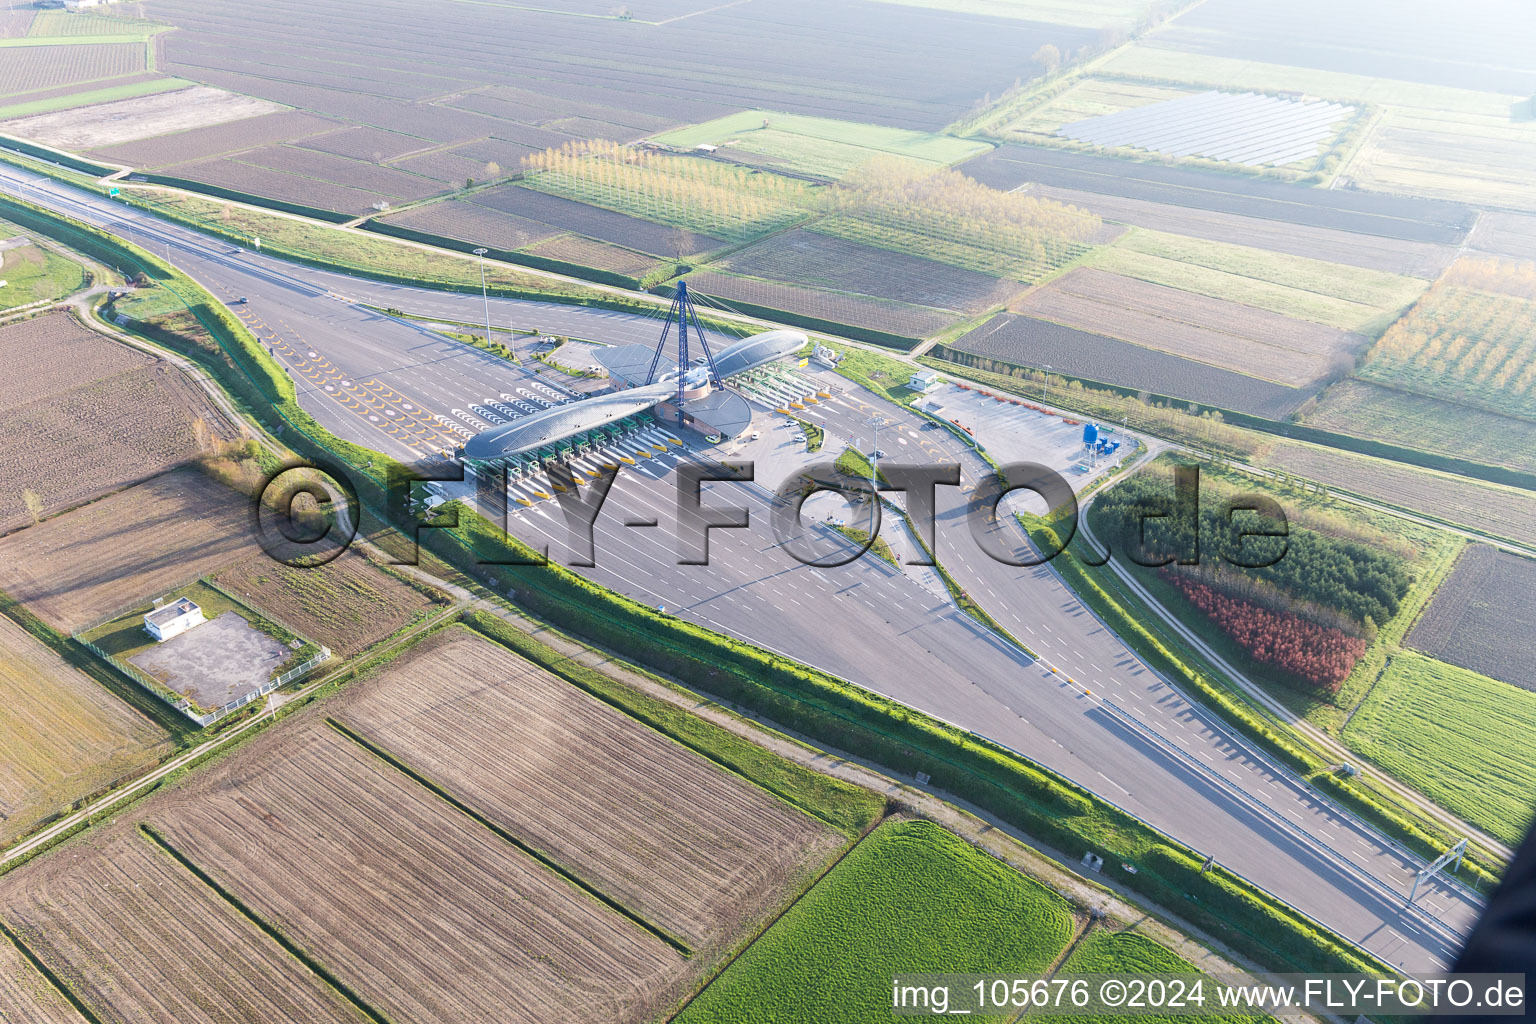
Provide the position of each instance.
(112, 192)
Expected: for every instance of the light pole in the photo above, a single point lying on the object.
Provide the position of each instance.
(1045, 389)
(874, 454)
(485, 296)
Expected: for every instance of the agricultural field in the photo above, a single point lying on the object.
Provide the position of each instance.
(1415, 41)
(821, 261)
(1390, 217)
(100, 125)
(157, 152)
(78, 568)
(496, 84)
(586, 252)
(1481, 617)
(1117, 14)
(1089, 96)
(589, 788)
(1460, 738)
(1343, 297)
(898, 318)
(1344, 248)
(1512, 235)
(86, 415)
(126, 87)
(1026, 341)
(1128, 952)
(27, 994)
(136, 936)
(280, 185)
(708, 197)
(562, 214)
(1468, 341)
(947, 217)
(815, 145)
(339, 170)
(1224, 334)
(1454, 156)
(1445, 129)
(1364, 409)
(1505, 512)
(1240, 128)
(63, 735)
(30, 68)
(345, 604)
(462, 925)
(910, 898)
(33, 273)
(472, 222)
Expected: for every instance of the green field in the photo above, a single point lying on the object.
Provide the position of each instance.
(819, 145)
(1349, 298)
(34, 274)
(1466, 741)
(88, 27)
(1102, 952)
(910, 898)
(1365, 409)
(103, 95)
(1088, 97)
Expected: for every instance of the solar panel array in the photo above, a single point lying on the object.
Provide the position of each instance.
(1244, 128)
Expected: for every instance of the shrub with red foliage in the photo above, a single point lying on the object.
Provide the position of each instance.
(1319, 655)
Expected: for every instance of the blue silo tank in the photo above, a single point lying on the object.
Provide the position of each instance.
(1090, 433)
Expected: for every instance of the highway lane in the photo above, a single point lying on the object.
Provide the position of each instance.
(867, 622)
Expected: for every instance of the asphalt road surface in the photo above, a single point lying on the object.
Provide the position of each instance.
(1089, 708)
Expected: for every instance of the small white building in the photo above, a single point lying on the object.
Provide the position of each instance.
(173, 619)
(923, 380)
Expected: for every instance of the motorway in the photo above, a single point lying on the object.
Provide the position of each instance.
(1088, 708)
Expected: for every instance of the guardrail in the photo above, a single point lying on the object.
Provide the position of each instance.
(1259, 807)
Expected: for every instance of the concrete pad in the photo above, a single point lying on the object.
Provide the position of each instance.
(217, 662)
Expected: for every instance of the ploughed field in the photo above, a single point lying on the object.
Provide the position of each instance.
(1481, 617)
(1488, 508)
(77, 569)
(62, 735)
(1364, 213)
(579, 781)
(459, 837)
(83, 415)
(1335, 245)
(1027, 341)
(137, 937)
(454, 93)
(1367, 409)
(1209, 330)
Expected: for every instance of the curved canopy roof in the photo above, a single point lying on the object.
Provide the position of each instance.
(532, 432)
(749, 353)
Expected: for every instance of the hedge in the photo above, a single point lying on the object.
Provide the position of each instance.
(54, 156)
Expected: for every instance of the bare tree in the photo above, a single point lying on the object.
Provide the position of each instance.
(1048, 57)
